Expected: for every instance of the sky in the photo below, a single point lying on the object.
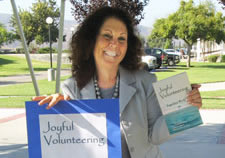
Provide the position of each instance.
(154, 10)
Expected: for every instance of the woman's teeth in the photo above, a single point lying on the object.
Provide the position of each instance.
(111, 53)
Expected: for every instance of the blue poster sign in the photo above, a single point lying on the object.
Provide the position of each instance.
(75, 128)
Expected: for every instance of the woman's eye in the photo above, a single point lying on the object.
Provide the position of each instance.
(121, 39)
(107, 36)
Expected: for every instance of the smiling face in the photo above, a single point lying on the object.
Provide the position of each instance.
(111, 44)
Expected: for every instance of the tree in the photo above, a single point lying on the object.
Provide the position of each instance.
(192, 22)
(34, 21)
(222, 2)
(159, 37)
(83, 7)
(5, 37)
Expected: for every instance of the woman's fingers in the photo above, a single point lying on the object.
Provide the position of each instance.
(55, 99)
(66, 97)
(51, 100)
(195, 86)
(38, 98)
(194, 97)
(45, 100)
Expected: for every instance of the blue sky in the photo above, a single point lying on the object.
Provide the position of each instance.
(155, 9)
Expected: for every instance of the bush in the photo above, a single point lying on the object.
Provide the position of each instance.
(212, 58)
(223, 58)
(46, 50)
(20, 51)
(66, 51)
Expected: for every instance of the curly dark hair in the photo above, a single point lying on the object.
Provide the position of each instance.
(83, 44)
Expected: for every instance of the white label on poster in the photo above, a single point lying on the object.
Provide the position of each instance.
(73, 135)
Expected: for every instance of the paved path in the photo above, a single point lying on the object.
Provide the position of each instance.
(25, 78)
(212, 86)
(205, 141)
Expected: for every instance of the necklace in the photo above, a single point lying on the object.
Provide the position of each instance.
(97, 89)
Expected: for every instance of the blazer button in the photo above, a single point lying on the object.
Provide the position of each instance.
(128, 135)
(132, 149)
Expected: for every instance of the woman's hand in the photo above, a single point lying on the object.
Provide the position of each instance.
(194, 96)
(51, 100)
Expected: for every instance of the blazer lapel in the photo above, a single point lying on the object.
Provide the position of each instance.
(88, 92)
(126, 90)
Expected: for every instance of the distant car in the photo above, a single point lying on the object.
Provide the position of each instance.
(149, 62)
(163, 57)
(160, 55)
(173, 51)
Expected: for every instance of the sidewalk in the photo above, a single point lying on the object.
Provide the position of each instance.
(212, 86)
(26, 78)
(205, 141)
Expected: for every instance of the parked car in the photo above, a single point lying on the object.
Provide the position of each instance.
(173, 59)
(160, 55)
(163, 57)
(173, 51)
(149, 62)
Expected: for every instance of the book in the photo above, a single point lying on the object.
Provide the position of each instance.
(172, 97)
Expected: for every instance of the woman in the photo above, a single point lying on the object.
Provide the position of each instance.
(106, 60)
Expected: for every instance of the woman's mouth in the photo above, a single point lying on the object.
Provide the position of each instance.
(110, 53)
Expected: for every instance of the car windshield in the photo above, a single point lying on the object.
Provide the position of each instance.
(169, 50)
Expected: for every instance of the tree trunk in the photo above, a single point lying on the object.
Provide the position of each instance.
(189, 56)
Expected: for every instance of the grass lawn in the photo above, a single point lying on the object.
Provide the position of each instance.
(45, 87)
(10, 65)
(24, 92)
(211, 99)
(197, 73)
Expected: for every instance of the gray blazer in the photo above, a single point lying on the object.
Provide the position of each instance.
(140, 115)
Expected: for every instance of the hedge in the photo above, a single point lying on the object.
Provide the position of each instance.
(212, 58)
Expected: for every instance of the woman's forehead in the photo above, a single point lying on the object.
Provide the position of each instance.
(114, 24)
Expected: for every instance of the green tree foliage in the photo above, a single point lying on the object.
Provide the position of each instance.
(161, 37)
(34, 21)
(191, 22)
(83, 7)
(5, 36)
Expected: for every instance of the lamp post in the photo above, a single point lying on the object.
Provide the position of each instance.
(51, 71)
(72, 29)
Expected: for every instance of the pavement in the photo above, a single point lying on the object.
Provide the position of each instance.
(26, 78)
(205, 141)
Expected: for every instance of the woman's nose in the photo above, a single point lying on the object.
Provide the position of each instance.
(113, 43)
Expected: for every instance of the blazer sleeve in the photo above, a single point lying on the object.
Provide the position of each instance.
(157, 128)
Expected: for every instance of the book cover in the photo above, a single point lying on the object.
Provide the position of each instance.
(172, 97)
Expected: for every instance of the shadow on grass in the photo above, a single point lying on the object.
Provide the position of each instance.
(36, 69)
(182, 68)
(6, 61)
(214, 98)
(163, 70)
(211, 66)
